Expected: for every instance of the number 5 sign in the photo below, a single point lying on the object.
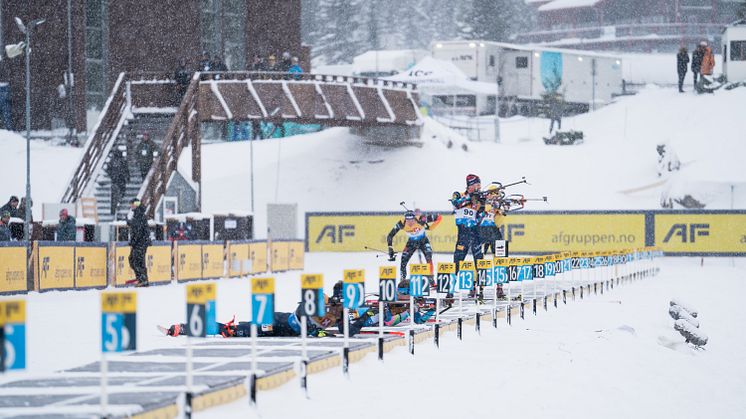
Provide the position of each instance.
(118, 321)
(353, 288)
(312, 295)
(201, 310)
(263, 301)
(12, 335)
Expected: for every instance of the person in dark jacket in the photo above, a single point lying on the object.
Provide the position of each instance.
(697, 57)
(286, 62)
(12, 207)
(182, 76)
(119, 173)
(204, 62)
(66, 227)
(145, 154)
(682, 64)
(139, 242)
(4, 229)
(258, 64)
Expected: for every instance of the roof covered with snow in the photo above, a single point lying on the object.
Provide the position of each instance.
(567, 4)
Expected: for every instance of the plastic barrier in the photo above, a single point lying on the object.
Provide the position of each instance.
(258, 257)
(187, 260)
(213, 265)
(157, 260)
(296, 256)
(279, 250)
(237, 254)
(54, 265)
(13, 268)
(91, 265)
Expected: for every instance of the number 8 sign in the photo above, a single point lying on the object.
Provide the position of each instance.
(262, 301)
(312, 295)
(354, 288)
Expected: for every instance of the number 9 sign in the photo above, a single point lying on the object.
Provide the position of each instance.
(353, 288)
(262, 301)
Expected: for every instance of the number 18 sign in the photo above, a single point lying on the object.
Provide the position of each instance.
(353, 288)
(263, 301)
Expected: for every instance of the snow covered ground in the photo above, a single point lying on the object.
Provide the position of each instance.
(614, 356)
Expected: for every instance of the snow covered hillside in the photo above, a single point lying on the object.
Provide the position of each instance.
(335, 171)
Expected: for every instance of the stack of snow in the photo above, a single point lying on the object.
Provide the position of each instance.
(686, 322)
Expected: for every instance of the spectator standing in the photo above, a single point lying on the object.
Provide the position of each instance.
(182, 75)
(66, 227)
(295, 69)
(697, 57)
(139, 242)
(145, 154)
(218, 65)
(12, 207)
(16, 229)
(708, 61)
(119, 174)
(555, 111)
(682, 64)
(258, 64)
(286, 62)
(4, 229)
(204, 62)
(272, 63)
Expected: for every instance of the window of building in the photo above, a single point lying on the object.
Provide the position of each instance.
(96, 86)
(737, 50)
(223, 31)
(492, 60)
(521, 62)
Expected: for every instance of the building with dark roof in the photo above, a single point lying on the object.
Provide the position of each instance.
(629, 25)
(109, 37)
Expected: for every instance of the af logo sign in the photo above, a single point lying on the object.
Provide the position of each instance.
(45, 266)
(687, 233)
(514, 230)
(336, 233)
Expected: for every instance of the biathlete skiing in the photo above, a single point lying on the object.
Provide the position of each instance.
(414, 224)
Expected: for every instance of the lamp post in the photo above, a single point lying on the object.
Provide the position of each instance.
(13, 51)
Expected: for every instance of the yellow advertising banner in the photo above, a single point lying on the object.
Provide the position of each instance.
(12, 269)
(238, 259)
(122, 270)
(55, 267)
(188, 261)
(212, 261)
(526, 232)
(258, 257)
(200, 293)
(90, 266)
(296, 256)
(158, 261)
(701, 233)
(280, 252)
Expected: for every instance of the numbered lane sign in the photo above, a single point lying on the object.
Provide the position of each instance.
(446, 277)
(419, 284)
(550, 266)
(387, 283)
(201, 310)
(500, 269)
(263, 301)
(538, 266)
(466, 276)
(525, 270)
(353, 288)
(312, 295)
(485, 275)
(12, 335)
(118, 321)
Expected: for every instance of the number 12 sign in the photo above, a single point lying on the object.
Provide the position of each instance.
(353, 288)
(263, 301)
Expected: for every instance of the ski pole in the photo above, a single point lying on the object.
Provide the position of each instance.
(403, 205)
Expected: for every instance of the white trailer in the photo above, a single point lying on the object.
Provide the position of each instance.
(734, 51)
(587, 80)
